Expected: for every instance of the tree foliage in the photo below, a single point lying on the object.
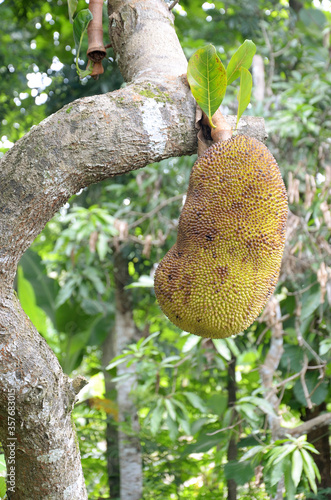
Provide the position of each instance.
(66, 281)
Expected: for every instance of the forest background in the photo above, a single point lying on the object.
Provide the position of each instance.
(200, 411)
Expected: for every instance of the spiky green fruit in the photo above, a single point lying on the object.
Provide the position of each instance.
(217, 278)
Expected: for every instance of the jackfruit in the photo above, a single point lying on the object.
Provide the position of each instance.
(217, 278)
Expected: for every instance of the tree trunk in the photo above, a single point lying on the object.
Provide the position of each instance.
(126, 333)
(36, 400)
(273, 315)
(319, 437)
(232, 448)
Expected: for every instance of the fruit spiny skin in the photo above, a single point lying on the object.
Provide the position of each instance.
(217, 278)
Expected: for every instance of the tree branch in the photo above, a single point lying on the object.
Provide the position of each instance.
(308, 426)
(273, 319)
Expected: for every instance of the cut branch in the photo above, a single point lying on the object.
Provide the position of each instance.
(96, 50)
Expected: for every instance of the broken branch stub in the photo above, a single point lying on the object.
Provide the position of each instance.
(96, 50)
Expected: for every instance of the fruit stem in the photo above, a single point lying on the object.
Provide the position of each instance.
(222, 130)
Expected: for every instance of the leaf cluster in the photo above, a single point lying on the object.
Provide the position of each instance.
(208, 78)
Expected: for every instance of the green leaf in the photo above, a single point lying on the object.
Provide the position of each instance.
(297, 464)
(117, 361)
(191, 342)
(72, 6)
(232, 346)
(180, 405)
(149, 338)
(171, 409)
(204, 443)
(66, 291)
(248, 410)
(318, 395)
(196, 401)
(92, 274)
(144, 281)
(287, 449)
(172, 427)
(289, 484)
(102, 246)
(275, 473)
(316, 470)
(242, 472)
(45, 288)
(80, 25)
(185, 425)
(244, 95)
(169, 361)
(217, 403)
(252, 452)
(3, 467)
(156, 417)
(197, 425)
(309, 469)
(242, 58)
(222, 348)
(28, 301)
(313, 18)
(2, 487)
(207, 78)
(310, 448)
(77, 343)
(260, 403)
(310, 302)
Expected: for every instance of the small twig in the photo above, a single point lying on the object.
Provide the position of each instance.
(314, 353)
(315, 367)
(297, 320)
(281, 51)
(182, 361)
(289, 379)
(316, 386)
(172, 5)
(298, 292)
(155, 210)
(303, 382)
(226, 428)
(174, 380)
(157, 383)
(283, 318)
(281, 395)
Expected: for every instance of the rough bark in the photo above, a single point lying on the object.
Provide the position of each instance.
(320, 438)
(36, 399)
(87, 141)
(130, 458)
(273, 315)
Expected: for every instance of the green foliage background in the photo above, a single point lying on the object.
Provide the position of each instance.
(66, 280)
